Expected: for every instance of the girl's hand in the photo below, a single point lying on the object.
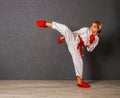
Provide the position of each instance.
(60, 39)
(89, 45)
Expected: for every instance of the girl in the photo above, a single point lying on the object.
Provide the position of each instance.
(86, 36)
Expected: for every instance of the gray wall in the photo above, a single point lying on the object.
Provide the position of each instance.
(28, 52)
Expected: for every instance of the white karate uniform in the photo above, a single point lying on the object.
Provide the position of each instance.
(72, 40)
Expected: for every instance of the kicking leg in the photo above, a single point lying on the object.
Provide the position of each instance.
(61, 38)
(63, 29)
(49, 24)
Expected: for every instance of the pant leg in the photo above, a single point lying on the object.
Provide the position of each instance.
(64, 30)
(77, 60)
(69, 37)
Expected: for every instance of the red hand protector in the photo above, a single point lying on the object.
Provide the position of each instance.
(92, 38)
(60, 39)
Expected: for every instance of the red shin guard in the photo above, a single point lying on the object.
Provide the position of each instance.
(83, 84)
(41, 23)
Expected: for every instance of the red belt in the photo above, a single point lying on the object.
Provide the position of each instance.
(80, 46)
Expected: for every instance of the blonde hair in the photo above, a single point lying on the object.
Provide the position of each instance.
(99, 25)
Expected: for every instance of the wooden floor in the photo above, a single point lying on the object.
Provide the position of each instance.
(58, 89)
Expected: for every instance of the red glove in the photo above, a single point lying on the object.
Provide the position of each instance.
(41, 23)
(60, 39)
(92, 38)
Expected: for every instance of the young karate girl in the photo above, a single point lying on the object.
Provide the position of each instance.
(86, 36)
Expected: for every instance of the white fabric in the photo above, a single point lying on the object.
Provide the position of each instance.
(72, 41)
(85, 34)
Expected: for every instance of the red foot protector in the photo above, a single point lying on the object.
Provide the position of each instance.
(60, 39)
(84, 84)
(41, 23)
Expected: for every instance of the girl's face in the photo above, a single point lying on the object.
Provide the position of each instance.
(94, 29)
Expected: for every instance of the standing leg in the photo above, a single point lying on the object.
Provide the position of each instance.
(78, 65)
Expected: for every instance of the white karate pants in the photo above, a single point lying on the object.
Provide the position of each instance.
(70, 40)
